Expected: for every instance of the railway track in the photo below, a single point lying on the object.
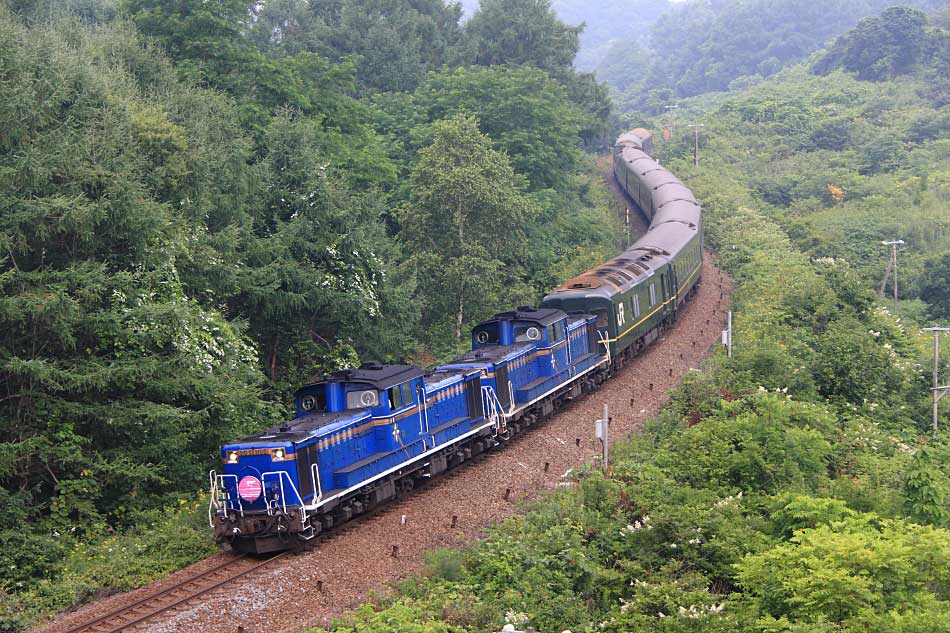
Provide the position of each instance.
(129, 616)
(325, 577)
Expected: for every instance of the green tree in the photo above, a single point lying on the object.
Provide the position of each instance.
(925, 489)
(524, 113)
(107, 365)
(852, 364)
(935, 285)
(521, 33)
(465, 220)
(880, 47)
(529, 33)
(856, 572)
(317, 281)
(393, 42)
(397, 41)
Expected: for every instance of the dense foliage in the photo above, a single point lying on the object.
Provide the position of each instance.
(889, 45)
(206, 203)
(700, 47)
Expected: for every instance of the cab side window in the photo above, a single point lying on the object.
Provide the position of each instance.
(487, 335)
(395, 398)
(407, 395)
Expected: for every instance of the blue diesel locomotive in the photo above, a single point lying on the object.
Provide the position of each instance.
(361, 437)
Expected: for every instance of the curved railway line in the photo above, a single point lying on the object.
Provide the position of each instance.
(130, 616)
(342, 566)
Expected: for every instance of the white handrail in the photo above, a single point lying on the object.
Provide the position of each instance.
(220, 497)
(318, 486)
(605, 341)
(425, 410)
(283, 497)
(213, 501)
(498, 411)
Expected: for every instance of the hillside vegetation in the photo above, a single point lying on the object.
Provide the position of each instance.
(796, 486)
(699, 47)
(205, 203)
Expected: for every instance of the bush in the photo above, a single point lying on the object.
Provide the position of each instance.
(853, 572)
(163, 541)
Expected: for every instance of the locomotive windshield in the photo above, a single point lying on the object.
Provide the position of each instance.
(362, 399)
(525, 332)
(314, 401)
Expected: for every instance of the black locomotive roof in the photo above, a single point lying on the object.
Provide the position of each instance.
(542, 316)
(376, 374)
(491, 353)
(300, 428)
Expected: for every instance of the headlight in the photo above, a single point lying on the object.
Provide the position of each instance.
(233, 457)
(278, 454)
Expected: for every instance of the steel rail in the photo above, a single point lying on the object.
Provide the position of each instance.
(101, 623)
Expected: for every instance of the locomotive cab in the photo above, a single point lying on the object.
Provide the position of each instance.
(526, 354)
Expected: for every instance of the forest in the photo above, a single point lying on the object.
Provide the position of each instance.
(207, 203)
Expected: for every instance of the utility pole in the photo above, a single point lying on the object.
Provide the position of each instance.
(938, 391)
(696, 127)
(727, 336)
(671, 110)
(891, 266)
(601, 432)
